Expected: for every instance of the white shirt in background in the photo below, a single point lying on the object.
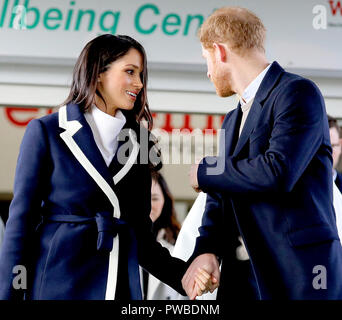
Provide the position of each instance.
(186, 241)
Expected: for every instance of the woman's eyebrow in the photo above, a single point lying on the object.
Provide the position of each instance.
(132, 65)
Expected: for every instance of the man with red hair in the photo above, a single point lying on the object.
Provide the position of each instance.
(269, 214)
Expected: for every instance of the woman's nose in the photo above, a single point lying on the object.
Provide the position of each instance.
(138, 83)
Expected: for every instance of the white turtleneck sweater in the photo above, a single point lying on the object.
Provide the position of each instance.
(105, 130)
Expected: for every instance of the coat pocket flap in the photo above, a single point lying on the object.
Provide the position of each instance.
(312, 235)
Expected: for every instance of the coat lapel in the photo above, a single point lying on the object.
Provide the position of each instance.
(231, 131)
(79, 139)
(85, 140)
(251, 121)
(268, 83)
(122, 166)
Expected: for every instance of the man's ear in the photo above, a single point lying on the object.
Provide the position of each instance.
(221, 52)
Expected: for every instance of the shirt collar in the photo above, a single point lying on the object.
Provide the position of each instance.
(108, 126)
(334, 174)
(251, 90)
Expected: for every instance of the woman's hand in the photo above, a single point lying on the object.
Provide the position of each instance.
(204, 282)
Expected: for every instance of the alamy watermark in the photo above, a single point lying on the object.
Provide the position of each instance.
(323, 18)
(20, 17)
(176, 147)
(320, 281)
(20, 278)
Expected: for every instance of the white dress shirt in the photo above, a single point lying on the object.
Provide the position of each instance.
(251, 90)
(105, 130)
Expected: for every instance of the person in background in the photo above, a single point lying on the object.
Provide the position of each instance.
(335, 141)
(165, 228)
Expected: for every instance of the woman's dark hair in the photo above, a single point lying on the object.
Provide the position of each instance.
(96, 58)
(167, 218)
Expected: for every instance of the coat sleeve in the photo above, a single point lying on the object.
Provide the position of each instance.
(152, 256)
(24, 212)
(297, 133)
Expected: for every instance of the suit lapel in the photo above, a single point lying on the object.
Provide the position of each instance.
(251, 121)
(228, 135)
(268, 83)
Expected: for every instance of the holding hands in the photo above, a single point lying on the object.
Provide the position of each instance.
(202, 276)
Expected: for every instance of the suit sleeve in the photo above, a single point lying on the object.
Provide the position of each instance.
(24, 209)
(297, 133)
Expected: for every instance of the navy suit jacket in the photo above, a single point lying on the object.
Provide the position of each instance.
(61, 225)
(274, 188)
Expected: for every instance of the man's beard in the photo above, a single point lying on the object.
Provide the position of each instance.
(223, 84)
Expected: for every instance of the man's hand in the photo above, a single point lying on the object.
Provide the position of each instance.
(196, 280)
(193, 177)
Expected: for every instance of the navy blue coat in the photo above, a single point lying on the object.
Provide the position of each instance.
(70, 211)
(274, 188)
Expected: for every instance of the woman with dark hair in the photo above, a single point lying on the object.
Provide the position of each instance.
(79, 221)
(165, 229)
(163, 214)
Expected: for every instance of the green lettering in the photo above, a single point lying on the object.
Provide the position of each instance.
(113, 27)
(3, 14)
(68, 20)
(52, 14)
(171, 19)
(188, 22)
(35, 11)
(81, 13)
(138, 15)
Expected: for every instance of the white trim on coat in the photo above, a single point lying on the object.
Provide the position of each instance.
(132, 157)
(71, 128)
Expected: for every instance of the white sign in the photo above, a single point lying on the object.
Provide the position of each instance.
(300, 34)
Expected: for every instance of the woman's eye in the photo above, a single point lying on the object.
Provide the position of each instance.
(130, 71)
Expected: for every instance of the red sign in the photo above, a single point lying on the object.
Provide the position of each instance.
(12, 114)
(22, 116)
